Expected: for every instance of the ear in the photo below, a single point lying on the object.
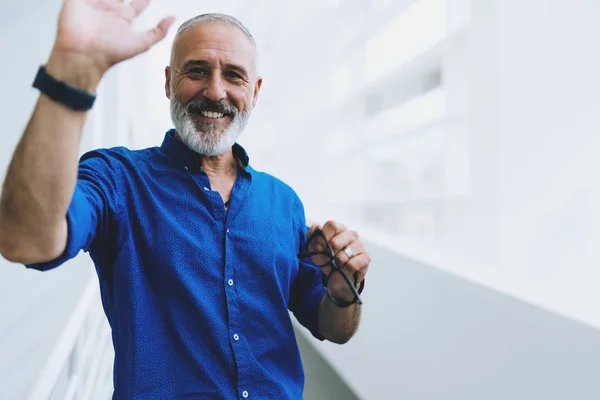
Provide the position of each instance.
(257, 87)
(168, 82)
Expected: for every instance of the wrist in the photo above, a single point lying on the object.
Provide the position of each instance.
(74, 69)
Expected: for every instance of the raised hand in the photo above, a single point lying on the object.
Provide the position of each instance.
(100, 32)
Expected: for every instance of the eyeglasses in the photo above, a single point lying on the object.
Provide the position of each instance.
(336, 282)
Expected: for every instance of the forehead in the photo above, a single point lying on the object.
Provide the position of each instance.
(214, 42)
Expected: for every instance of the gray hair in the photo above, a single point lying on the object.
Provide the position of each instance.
(215, 17)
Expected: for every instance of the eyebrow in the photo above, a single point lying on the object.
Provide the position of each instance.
(204, 63)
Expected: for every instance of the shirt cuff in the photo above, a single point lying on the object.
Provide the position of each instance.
(75, 215)
(313, 298)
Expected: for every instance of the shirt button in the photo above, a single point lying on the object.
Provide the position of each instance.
(227, 230)
(186, 168)
(206, 189)
(230, 282)
(245, 394)
(236, 337)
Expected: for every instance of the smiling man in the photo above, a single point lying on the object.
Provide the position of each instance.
(215, 55)
(198, 255)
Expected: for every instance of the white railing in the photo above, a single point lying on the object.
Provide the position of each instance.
(80, 365)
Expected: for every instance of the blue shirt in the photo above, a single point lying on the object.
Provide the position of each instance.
(197, 296)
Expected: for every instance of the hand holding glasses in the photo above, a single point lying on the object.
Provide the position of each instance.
(339, 287)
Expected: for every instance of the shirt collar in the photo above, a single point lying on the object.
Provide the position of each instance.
(185, 156)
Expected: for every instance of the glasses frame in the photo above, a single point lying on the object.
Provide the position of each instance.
(330, 254)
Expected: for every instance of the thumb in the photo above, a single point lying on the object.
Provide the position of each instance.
(155, 35)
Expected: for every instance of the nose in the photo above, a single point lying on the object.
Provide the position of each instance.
(214, 90)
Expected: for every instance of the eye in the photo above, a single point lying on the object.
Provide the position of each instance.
(198, 71)
(233, 75)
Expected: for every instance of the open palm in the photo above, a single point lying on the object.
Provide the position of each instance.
(102, 30)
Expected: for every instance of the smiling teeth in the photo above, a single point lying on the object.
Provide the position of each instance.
(212, 114)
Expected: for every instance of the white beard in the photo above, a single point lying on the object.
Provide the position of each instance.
(202, 137)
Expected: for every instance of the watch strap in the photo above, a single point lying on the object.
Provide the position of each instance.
(60, 92)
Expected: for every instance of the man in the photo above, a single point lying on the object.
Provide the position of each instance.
(196, 252)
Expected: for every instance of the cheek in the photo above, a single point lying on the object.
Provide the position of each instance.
(242, 99)
(185, 90)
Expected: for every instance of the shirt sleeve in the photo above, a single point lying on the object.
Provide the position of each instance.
(307, 290)
(88, 213)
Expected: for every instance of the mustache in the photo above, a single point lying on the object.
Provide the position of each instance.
(197, 106)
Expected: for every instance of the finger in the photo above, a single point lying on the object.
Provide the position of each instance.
(332, 228)
(356, 247)
(106, 2)
(312, 229)
(358, 264)
(116, 6)
(138, 6)
(155, 35)
(343, 239)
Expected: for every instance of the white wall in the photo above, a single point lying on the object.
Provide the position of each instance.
(530, 220)
(549, 123)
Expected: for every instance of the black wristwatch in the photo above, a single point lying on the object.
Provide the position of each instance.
(76, 99)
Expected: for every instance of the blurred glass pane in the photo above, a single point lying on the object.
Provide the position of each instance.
(420, 27)
(428, 107)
